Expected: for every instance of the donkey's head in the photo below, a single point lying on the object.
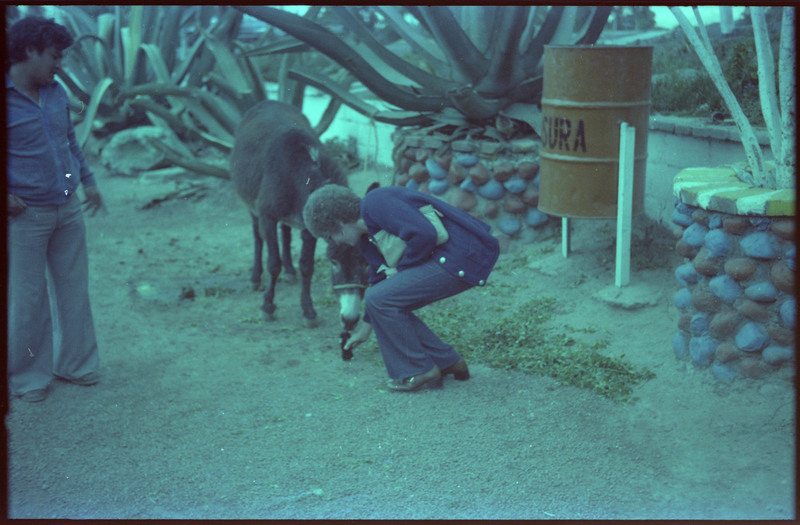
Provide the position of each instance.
(349, 273)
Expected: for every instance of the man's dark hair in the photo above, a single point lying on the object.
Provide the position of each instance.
(37, 32)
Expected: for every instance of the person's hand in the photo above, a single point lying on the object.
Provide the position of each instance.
(15, 205)
(93, 202)
(359, 335)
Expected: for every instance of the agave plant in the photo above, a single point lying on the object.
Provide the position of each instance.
(471, 64)
(192, 77)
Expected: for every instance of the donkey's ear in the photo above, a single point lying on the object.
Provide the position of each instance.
(373, 186)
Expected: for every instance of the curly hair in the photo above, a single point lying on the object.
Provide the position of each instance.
(328, 208)
(37, 32)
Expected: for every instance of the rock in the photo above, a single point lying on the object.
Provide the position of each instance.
(479, 174)
(715, 221)
(524, 145)
(783, 228)
(402, 179)
(788, 313)
(438, 186)
(444, 160)
(531, 196)
(695, 235)
(760, 245)
(740, 268)
(527, 170)
(702, 350)
(504, 171)
(725, 288)
(704, 300)
(686, 274)
(684, 208)
(410, 154)
(413, 141)
(751, 368)
(422, 154)
(434, 170)
(681, 219)
(418, 172)
(751, 310)
(762, 292)
(413, 185)
(491, 190)
(466, 159)
(724, 372)
(682, 298)
(726, 353)
(782, 336)
(457, 173)
(509, 225)
(464, 146)
(752, 337)
(705, 264)
(718, 243)
(630, 297)
(724, 324)
(491, 210)
(490, 149)
(464, 200)
(700, 216)
(535, 218)
(513, 204)
(680, 345)
(736, 225)
(535, 180)
(760, 223)
(684, 250)
(129, 152)
(468, 185)
(782, 277)
(514, 185)
(432, 142)
(684, 321)
(698, 325)
(777, 355)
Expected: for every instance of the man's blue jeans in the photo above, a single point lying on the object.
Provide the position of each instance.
(47, 250)
(408, 346)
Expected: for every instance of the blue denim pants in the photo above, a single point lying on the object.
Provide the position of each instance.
(408, 346)
(50, 325)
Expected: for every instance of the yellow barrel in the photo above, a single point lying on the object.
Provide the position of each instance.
(588, 91)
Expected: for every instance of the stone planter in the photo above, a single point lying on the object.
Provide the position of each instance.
(736, 289)
(498, 182)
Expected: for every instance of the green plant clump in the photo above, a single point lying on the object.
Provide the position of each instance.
(521, 340)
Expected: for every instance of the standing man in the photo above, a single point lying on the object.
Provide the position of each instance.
(46, 232)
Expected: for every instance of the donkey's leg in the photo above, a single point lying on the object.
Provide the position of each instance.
(269, 230)
(306, 272)
(289, 273)
(258, 269)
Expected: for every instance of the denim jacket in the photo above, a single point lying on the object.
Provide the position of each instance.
(45, 164)
(469, 254)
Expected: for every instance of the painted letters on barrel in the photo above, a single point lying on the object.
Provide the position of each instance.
(588, 91)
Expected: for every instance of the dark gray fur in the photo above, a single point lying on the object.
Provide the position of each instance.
(276, 163)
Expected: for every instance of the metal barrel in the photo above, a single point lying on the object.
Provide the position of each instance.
(587, 92)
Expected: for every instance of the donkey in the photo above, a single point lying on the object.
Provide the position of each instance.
(276, 163)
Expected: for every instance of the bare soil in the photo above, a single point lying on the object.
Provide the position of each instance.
(206, 411)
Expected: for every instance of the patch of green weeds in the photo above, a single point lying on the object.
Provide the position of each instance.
(521, 340)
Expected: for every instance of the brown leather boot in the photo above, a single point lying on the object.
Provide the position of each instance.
(458, 370)
(429, 380)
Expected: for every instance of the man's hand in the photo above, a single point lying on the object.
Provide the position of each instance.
(359, 335)
(93, 202)
(15, 205)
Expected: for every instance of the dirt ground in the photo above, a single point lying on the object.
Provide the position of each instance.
(206, 411)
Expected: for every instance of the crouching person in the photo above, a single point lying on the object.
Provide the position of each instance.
(417, 255)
